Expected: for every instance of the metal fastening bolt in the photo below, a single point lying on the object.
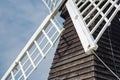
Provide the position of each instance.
(89, 46)
(76, 16)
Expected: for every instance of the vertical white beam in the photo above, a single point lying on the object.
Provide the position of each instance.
(55, 25)
(31, 59)
(39, 48)
(21, 67)
(13, 77)
(80, 26)
(47, 37)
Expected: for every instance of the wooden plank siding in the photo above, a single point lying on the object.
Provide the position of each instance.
(105, 52)
(71, 63)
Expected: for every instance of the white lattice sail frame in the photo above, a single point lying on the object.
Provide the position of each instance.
(90, 16)
(38, 46)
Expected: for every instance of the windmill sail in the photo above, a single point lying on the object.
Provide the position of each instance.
(51, 4)
(37, 47)
(90, 16)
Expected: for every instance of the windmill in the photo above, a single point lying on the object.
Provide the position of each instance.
(87, 16)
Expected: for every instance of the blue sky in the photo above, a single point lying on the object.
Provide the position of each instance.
(18, 21)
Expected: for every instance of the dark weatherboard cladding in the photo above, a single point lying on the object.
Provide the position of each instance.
(71, 62)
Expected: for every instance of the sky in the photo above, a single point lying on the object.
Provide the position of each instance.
(19, 19)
